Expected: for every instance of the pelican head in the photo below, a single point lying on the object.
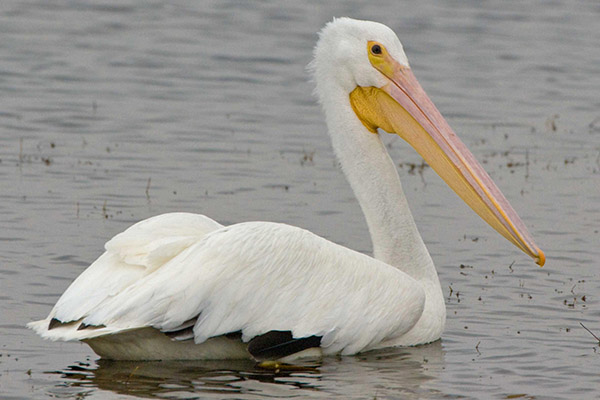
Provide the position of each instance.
(341, 47)
(364, 63)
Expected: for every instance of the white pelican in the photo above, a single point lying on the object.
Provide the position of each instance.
(182, 286)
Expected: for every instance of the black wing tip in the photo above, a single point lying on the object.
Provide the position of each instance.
(278, 344)
(83, 326)
(237, 335)
(54, 323)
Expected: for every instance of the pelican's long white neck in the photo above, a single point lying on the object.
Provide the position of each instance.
(376, 184)
(374, 179)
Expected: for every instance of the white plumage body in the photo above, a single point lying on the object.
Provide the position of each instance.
(251, 277)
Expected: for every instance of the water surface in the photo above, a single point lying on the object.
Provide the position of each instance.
(112, 112)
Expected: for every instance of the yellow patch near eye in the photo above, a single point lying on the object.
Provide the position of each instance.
(380, 61)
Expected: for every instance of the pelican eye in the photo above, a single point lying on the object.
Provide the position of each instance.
(376, 50)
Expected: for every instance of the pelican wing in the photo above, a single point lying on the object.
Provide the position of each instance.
(129, 257)
(252, 278)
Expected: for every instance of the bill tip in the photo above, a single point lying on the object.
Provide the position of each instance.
(541, 258)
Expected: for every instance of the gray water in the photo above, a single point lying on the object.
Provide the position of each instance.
(111, 112)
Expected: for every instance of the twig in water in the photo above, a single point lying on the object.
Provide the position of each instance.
(131, 374)
(510, 267)
(591, 333)
(20, 151)
(527, 164)
(148, 189)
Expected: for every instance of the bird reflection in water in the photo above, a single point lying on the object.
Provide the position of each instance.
(397, 371)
